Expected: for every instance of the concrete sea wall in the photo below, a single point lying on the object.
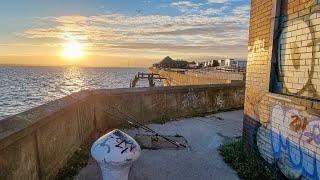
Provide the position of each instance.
(216, 74)
(193, 78)
(36, 144)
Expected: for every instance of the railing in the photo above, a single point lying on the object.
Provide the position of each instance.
(231, 69)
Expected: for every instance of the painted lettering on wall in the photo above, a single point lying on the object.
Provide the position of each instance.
(190, 99)
(290, 138)
(298, 53)
(293, 141)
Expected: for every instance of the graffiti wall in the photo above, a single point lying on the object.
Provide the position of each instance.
(284, 130)
(291, 141)
(298, 51)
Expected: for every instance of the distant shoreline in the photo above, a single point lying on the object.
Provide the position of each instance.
(35, 65)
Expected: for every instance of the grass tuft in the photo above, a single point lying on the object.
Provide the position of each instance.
(160, 121)
(78, 160)
(245, 163)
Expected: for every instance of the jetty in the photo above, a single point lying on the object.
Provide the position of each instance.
(150, 76)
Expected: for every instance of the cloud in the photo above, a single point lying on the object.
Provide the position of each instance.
(200, 32)
(213, 11)
(186, 6)
(218, 1)
(242, 10)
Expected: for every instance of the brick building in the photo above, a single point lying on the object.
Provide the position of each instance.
(282, 106)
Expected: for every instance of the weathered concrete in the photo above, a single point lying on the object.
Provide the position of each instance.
(194, 78)
(155, 142)
(216, 74)
(200, 160)
(36, 144)
(166, 102)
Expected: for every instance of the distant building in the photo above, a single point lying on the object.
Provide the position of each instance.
(222, 62)
(192, 65)
(233, 63)
(242, 63)
(210, 63)
(230, 62)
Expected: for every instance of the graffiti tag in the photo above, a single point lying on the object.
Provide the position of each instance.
(295, 136)
(190, 99)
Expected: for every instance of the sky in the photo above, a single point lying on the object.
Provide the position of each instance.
(122, 32)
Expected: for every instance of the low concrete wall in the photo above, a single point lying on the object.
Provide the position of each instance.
(37, 143)
(214, 74)
(194, 78)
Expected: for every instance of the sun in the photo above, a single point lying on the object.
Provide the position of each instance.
(73, 50)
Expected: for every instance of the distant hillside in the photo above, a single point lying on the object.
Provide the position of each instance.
(168, 62)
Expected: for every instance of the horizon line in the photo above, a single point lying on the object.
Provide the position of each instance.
(47, 65)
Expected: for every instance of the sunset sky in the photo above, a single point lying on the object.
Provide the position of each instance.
(120, 32)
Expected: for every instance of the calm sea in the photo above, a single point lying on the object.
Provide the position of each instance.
(22, 88)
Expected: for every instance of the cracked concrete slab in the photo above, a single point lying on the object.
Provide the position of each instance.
(201, 160)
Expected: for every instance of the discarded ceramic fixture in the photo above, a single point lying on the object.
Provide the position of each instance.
(115, 152)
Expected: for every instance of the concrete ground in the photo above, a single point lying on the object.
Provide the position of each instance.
(201, 160)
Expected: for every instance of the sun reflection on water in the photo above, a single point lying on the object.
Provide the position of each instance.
(72, 80)
(22, 88)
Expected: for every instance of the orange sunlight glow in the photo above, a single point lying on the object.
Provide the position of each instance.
(73, 51)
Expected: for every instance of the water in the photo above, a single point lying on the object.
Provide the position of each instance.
(22, 88)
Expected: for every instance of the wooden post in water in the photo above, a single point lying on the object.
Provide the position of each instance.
(150, 76)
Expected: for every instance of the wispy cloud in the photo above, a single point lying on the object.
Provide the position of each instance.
(199, 28)
(242, 10)
(218, 1)
(186, 6)
(213, 11)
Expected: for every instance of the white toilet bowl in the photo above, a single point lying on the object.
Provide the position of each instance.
(115, 152)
